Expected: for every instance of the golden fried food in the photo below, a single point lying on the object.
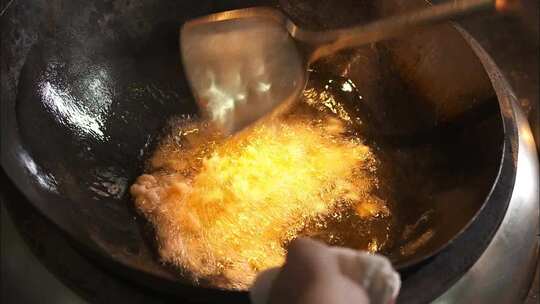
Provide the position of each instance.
(224, 209)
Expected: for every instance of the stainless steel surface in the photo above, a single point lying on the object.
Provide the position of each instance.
(243, 64)
(503, 274)
(242, 68)
(534, 293)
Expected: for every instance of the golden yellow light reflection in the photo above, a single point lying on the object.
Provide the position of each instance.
(223, 210)
(323, 100)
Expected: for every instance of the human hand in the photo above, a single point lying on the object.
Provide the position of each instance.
(315, 273)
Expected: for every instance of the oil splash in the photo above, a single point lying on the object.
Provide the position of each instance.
(224, 209)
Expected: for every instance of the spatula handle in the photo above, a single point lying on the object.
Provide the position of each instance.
(328, 42)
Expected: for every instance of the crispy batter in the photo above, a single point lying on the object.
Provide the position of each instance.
(223, 211)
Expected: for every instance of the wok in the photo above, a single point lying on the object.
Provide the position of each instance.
(88, 87)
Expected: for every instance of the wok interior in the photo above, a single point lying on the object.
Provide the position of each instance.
(93, 101)
(434, 174)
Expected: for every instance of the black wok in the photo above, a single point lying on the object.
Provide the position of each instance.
(87, 88)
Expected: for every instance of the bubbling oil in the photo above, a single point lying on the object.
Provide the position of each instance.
(224, 209)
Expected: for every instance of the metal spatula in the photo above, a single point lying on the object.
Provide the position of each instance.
(245, 64)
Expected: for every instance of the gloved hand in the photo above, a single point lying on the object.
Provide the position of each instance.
(315, 274)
